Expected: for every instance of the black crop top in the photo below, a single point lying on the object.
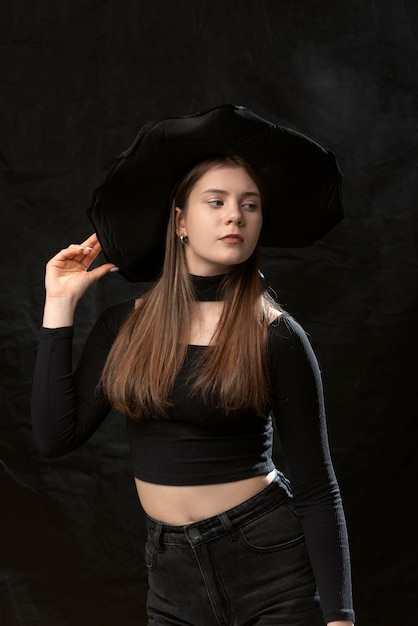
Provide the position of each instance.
(198, 445)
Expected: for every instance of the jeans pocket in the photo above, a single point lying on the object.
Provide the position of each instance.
(149, 557)
(277, 529)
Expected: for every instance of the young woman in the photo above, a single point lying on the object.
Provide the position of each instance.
(199, 365)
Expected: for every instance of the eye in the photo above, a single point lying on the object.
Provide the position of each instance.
(216, 203)
(250, 206)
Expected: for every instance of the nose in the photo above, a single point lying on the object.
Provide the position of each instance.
(234, 214)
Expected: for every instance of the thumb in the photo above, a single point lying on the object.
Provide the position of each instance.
(102, 270)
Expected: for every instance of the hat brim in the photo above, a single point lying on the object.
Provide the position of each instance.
(130, 210)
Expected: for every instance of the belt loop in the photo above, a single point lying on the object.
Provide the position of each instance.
(156, 537)
(227, 524)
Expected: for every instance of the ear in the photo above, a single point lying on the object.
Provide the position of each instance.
(179, 221)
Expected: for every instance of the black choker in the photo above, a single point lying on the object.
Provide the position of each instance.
(208, 288)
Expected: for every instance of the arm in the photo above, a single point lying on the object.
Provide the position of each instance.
(298, 407)
(65, 408)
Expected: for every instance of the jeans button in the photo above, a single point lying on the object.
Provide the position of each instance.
(194, 534)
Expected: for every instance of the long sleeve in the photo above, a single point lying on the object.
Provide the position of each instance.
(298, 406)
(67, 407)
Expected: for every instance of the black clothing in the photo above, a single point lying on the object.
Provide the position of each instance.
(198, 445)
(198, 574)
(129, 211)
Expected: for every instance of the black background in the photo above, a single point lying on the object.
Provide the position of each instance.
(78, 80)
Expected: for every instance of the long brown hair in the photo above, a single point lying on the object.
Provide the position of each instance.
(150, 348)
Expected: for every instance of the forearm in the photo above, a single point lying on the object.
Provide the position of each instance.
(53, 411)
(65, 408)
(59, 311)
(327, 543)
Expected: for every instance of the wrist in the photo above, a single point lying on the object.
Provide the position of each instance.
(59, 311)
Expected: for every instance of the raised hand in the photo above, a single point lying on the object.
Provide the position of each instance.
(67, 278)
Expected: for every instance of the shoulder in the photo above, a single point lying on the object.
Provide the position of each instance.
(288, 341)
(113, 317)
(119, 310)
(284, 328)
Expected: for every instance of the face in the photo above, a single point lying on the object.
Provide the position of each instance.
(222, 221)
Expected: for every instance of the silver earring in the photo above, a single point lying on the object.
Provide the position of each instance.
(184, 239)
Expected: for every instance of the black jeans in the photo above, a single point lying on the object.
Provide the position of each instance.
(247, 566)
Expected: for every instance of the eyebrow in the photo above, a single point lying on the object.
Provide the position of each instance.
(244, 195)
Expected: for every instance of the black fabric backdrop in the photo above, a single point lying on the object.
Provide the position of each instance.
(78, 79)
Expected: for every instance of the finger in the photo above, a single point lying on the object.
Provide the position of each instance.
(74, 249)
(92, 241)
(101, 271)
(91, 248)
(75, 253)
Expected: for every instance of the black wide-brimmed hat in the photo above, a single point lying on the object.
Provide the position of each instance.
(130, 210)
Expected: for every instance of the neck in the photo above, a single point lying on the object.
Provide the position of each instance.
(208, 288)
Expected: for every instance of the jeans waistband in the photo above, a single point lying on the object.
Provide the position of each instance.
(224, 523)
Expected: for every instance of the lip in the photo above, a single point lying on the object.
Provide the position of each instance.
(232, 239)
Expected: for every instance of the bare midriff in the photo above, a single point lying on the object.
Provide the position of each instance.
(183, 505)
